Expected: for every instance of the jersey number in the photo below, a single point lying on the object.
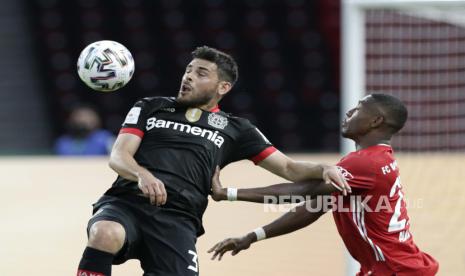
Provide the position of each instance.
(395, 224)
(194, 267)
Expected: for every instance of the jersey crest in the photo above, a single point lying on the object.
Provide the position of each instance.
(217, 121)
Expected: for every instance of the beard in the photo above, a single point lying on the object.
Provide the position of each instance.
(196, 100)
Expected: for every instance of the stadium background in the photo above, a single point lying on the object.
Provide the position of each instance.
(288, 54)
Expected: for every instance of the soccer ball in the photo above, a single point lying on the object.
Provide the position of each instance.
(105, 65)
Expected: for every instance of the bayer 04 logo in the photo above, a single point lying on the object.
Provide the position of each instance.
(105, 65)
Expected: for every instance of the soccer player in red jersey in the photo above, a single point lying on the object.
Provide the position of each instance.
(373, 220)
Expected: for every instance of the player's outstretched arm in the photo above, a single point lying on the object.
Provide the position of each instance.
(296, 171)
(271, 194)
(298, 218)
(122, 162)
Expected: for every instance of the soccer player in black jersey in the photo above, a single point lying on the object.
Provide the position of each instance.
(165, 156)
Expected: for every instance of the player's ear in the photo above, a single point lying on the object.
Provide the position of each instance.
(224, 87)
(377, 121)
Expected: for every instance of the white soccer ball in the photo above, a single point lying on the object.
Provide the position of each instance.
(105, 65)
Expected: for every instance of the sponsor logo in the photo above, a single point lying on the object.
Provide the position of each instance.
(217, 121)
(193, 114)
(210, 135)
(133, 116)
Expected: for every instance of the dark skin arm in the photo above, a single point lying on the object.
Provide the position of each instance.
(260, 195)
(298, 218)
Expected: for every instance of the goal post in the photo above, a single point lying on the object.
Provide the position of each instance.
(435, 28)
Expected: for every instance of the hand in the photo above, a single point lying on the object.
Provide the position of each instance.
(332, 175)
(218, 192)
(152, 188)
(233, 244)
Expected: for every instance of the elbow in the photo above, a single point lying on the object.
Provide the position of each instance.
(112, 163)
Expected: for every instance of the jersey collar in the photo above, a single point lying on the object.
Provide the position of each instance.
(215, 109)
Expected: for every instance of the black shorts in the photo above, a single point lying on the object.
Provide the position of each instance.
(162, 239)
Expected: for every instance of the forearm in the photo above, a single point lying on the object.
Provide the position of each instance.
(281, 193)
(124, 164)
(303, 170)
(269, 194)
(296, 219)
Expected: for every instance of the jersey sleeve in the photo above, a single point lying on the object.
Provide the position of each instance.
(134, 122)
(358, 171)
(253, 145)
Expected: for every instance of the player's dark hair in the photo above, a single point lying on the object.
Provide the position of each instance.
(227, 66)
(393, 108)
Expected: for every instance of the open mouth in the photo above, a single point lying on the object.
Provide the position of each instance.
(186, 88)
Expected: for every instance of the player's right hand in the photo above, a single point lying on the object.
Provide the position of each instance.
(152, 188)
(218, 192)
(235, 245)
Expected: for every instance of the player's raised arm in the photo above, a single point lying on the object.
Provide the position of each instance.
(263, 194)
(296, 171)
(122, 162)
(298, 218)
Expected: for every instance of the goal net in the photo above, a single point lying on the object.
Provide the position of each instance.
(414, 50)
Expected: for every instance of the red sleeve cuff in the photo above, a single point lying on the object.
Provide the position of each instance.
(262, 155)
(134, 131)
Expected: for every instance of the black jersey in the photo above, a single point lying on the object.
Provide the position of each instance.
(182, 146)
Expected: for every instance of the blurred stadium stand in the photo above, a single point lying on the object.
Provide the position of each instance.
(22, 107)
(288, 55)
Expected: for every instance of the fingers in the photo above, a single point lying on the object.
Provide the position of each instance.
(221, 255)
(160, 192)
(213, 248)
(164, 195)
(155, 190)
(151, 194)
(235, 251)
(342, 182)
(336, 186)
(144, 189)
(334, 177)
(221, 248)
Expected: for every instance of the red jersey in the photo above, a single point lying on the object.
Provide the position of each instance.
(374, 224)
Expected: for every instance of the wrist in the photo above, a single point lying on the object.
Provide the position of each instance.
(259, 233)
(251, 237)
(323, 168)
(231, 194)
(223, 195)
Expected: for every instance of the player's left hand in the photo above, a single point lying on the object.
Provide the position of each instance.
(235, 245)
(218, 192)
(332, 175)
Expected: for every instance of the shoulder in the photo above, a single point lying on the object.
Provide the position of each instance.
(157, 100)
(357, 162)
(239, 122)
(150, 104)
